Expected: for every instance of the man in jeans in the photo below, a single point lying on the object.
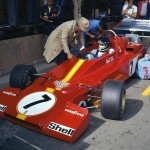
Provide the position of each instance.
(77, 8)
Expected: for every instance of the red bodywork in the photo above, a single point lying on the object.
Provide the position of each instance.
(60, 116)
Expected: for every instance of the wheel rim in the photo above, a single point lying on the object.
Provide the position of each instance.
(29, 79)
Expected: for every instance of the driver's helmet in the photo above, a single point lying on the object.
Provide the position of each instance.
(104, 44)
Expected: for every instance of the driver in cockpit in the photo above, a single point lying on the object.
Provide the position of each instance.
(104, 46)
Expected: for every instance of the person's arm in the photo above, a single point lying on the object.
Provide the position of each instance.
(43, 14)
(56, 13)
(90, 35)
(133, 15)
(81, 39)
(124, 10)
(64, 40)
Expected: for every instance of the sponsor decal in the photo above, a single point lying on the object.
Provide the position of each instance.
(61, 129)
(9, 93)
(74, 112)
(36, 103)
(109, 59)
(132, 66)
(119, 49)
(2, 108)
(60, 84)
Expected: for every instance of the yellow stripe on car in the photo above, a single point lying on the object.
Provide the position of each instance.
(73, 70)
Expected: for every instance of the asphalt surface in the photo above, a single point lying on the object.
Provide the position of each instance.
(130, 133)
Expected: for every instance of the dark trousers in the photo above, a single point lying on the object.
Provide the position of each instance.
(61, 58)
(12, 12)
(32, 11)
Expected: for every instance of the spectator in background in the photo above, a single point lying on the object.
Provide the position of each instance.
(44, 2)
(142, 9)
(50, 14)
(66, 40)
(86, 10)
(129, 10)
(95, 8)
(77, 8)
(68, 10)
(12, 12)
(148, 10)
(61, 3)
(32, 11)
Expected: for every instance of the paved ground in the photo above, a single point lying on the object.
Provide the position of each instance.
(130, 133)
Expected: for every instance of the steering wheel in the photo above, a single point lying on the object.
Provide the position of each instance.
(88, 56)
(111, 32)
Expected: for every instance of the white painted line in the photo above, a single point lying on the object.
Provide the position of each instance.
(27, 142)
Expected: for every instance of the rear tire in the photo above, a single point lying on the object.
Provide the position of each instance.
(113, 99)
(22, 76)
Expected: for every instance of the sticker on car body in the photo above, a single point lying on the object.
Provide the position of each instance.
(74, 112)
(61, 128)
(60, 84)
(9, 93)
(36, 103)
(132, 66)
(2, 108)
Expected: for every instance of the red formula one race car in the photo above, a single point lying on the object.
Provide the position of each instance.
(56, 103)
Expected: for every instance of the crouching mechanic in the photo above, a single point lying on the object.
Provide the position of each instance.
(97, 28)
(66, 40)
(143, 67)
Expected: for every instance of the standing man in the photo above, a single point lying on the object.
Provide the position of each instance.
(50, 13)
(129, 10)
(32, 11)
(66, 40)
(148, 10)
(77, 8)
(142, 9)
(12, 12)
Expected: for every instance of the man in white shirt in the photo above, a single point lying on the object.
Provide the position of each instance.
(142, 9)
(129, 10)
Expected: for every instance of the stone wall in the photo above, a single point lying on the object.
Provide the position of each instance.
(21, 50)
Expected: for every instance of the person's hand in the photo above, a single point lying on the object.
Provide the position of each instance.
(92, 36)
(146, 55)
(69, 55)
(46, 17)
(82, 48)
(53, 15)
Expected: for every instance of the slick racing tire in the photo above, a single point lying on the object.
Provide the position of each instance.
(113, 99)
(22, 76)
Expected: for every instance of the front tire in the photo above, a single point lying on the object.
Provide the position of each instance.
(22, 76)
(113, 99)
